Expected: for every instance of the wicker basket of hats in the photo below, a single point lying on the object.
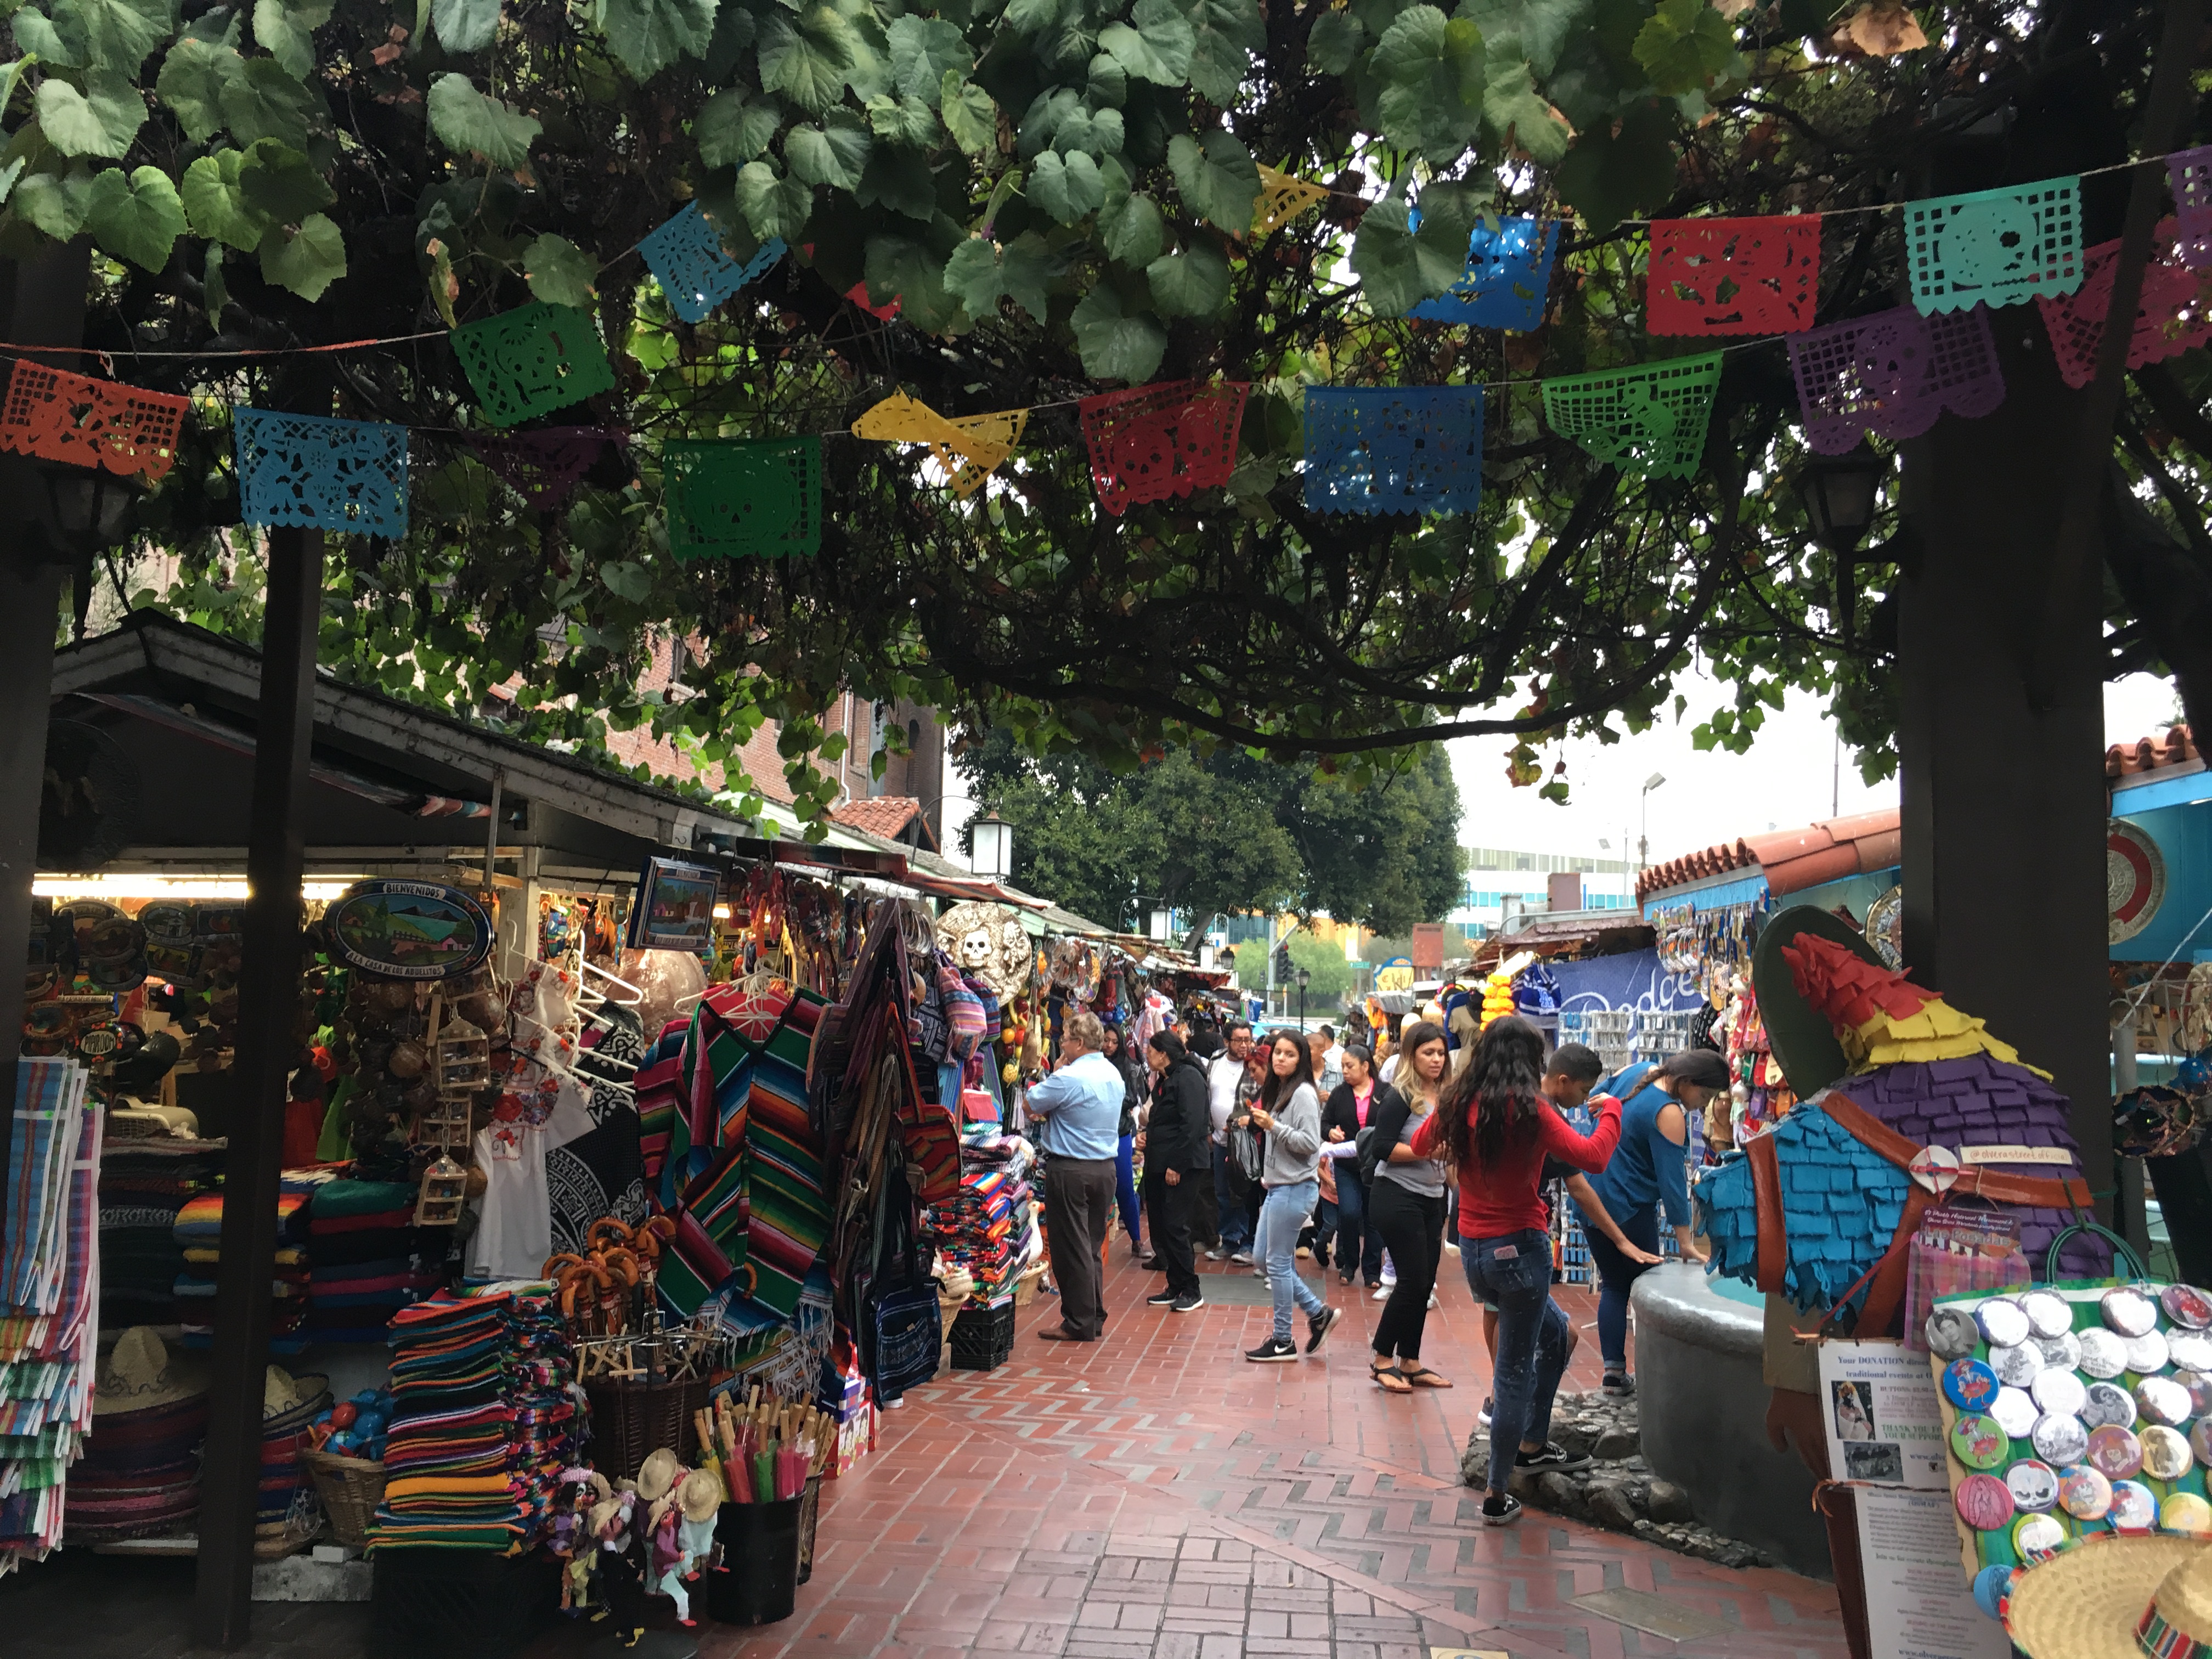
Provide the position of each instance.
(350, 1488)
(630, 1420)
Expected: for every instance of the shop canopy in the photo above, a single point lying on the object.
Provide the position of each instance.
(391, 782)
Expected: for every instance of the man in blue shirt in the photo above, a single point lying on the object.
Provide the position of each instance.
(1079, 1107)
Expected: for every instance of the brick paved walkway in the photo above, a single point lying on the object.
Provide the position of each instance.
(1153, 1494)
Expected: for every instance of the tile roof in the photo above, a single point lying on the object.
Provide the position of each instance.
(1791, 860)
(887, 816)
(2149, 754)
(1609, 931)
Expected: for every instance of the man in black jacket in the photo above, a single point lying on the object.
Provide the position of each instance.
(1178, 1153)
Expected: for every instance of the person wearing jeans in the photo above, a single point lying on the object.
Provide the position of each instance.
(1497, 1125)
(1344, 1114)
(1224, 1075)
(1289, 1113)
(1407, 1201)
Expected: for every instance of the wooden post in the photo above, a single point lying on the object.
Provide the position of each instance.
(43, 300)
(269, 994)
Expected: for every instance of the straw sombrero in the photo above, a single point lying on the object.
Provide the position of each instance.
(699, 1495)
(2124, 1597)
(660, 1472)
(140, 1372)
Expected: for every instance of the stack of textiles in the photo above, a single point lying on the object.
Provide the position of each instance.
(141, 1473)
(367, 1259)
(199, 1230)
(49, 1287)
(989, 1228)
(287, 1508)
(483, 1420)
(143, 1185)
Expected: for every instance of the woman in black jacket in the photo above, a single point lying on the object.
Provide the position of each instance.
(1178, 1149)
(1350, 1108)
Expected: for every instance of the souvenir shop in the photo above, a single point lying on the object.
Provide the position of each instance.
(624, 1154)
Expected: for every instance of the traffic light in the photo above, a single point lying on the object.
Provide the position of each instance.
(1283, 970)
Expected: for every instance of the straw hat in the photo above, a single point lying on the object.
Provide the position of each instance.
(140, 1372)
(700, 1496)
(2088, 1601)
(660, 1472)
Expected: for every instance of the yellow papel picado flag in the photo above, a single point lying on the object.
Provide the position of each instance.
(967, 447)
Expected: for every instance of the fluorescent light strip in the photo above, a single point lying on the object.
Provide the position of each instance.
(322, 889)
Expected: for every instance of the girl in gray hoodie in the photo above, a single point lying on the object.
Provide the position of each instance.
(1289, 1111)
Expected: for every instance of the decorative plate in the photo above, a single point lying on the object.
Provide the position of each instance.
(2135, 878)
(1885, 926)
(410, 929)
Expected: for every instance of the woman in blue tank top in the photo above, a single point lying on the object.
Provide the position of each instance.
(1646, 1171)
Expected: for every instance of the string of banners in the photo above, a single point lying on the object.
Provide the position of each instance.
(1368, 449)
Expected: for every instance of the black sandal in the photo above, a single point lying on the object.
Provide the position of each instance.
(1388, 1378)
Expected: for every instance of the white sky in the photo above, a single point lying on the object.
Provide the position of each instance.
(1784, 780)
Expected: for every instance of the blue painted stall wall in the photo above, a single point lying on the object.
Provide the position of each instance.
(2184, 835)
(1854, 892)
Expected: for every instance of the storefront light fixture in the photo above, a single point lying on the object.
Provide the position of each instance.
(1838, 492)
(993, 857)
(321, 889)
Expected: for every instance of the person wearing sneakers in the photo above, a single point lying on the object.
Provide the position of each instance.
(1620, 1208)
(1407, 1204)
(1288, 1112)
(1495, 1122)
(1178, 1156)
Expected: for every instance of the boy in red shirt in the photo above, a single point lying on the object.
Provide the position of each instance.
(1497, 1126)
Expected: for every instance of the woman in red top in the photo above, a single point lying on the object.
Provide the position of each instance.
(1497, 1127)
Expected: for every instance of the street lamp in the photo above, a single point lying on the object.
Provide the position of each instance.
(82, 513)
(1838, 496)
(1305, 978)
(1644, 830)
(992, 840)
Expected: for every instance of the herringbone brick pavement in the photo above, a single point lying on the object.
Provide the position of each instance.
(1153, 1496)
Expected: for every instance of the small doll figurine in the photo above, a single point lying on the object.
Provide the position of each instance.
(571, 1542)
(700, 1498)
(666, 1558)
(619, 1574)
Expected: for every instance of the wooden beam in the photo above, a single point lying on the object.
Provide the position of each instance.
(268, 1000)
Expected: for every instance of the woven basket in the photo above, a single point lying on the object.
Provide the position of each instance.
(350, 1488)
(630, 1420)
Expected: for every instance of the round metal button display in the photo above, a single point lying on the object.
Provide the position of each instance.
(2185, 1512)
(2036, 1536)
(2166, 1454)
(2200, 1442)
(1979, 1443)
(2057, 1438)
(2103, 1354)
(2191, 1349)
(1951, 1333)
(2048, 1312)
(2016, 1413)
(2062, 1353)
(2162, 1400)
(2115, 1453)
(2128, 1311)
(2083, 1494)
(2108, 1404)
(2186, 1306)
(2135, 1507)
(2147, 1354)
(1969, 1384)
(1992, 1586)
(2015, 1367)
(2034, 1485)
(2199, 1384)
(2060, 1391)
(1985, 1502)
(2003, 1322)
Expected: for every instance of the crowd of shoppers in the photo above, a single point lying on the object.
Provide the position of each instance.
(1266, 1151)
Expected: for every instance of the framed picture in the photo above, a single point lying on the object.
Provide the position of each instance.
(675, 907)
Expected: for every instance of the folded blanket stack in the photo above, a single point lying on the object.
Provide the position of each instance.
(367, 1259)
(483, 1420)
(200, 1230)
(143, 1185)
(989, 1226)
(49, 1289)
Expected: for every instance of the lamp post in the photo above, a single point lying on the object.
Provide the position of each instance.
(1305, 978)
(1644, 827)
(1838, 493)
(992, 844)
